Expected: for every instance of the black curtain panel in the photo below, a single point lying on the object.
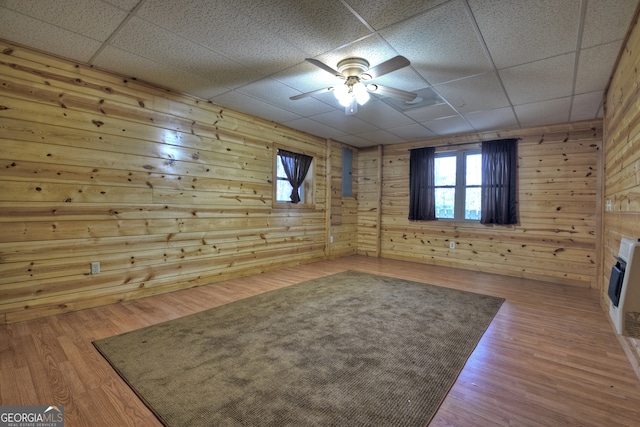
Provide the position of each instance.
(422, 198)
(295, 166)
(499, 169)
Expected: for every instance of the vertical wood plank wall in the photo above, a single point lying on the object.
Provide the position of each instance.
(556, 238)
(622, 165)
(164, 190)
(344, 212)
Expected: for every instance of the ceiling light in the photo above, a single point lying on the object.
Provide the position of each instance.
(351, 93)
(343, 95)
(360, 93)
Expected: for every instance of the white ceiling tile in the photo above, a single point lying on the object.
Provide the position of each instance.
(405, 79)
(449, 126)
(380, 137)
(315, 128)
(347, 124)
(309, 106)
(595, 66)
(354, 140)
(247, 104)
(306, 77)
(240, 38)
(412, 132)
(521, 31)
(431, 112)
(606, 21)
(474, 93)
(151, 41)
(278, 94)
(314, 26)
(372, 48)
(249, 55)
(381, 14)
(586, 106)
(92, 18)
(382, 115)
(441, 44)
(541, 80)
(42, 36)
(500, 118)
(129, 65)
(545, 112)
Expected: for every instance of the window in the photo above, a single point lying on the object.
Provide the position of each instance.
(298, 170)
(465, 185)
(458, 180)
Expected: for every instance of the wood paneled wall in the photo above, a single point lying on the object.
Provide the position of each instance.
(344, 212)
(164, 190)
(622, 165)
(558, 208)
(167, 192)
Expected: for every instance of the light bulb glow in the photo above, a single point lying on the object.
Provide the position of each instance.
(342, 95)
(360, 92)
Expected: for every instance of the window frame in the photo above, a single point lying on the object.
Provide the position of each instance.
(307, 188)
(460, 187)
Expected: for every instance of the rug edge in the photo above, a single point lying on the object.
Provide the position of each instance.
(455, 380)
(135, 391)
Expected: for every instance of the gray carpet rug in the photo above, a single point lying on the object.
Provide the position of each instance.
(350, 349)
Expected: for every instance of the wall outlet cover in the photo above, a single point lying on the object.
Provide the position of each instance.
(95, 268)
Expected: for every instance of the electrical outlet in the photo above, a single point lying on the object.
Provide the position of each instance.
(608, 205)
(330, 239)
(452, 245)
(95, 268)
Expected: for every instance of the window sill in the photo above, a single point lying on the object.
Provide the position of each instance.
(302, 206)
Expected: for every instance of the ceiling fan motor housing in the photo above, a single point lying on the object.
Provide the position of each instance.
(352, 67)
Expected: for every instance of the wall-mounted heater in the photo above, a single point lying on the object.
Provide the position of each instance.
(624, 289)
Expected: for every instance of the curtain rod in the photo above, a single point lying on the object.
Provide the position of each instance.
(462, 143)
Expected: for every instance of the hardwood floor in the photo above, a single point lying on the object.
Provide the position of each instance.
(549, 357)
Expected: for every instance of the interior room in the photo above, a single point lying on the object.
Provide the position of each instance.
(148, 151)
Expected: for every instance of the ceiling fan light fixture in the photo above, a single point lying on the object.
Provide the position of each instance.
(360, 93)
(343, 95)
(355, 71)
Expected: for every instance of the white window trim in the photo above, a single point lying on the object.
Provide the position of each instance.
(460, 187)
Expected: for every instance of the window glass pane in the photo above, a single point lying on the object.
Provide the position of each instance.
(472, 203)
(445, 200)
(280, 169)
(474, 169)
(283, 188)
(283, 191)
(445, 170)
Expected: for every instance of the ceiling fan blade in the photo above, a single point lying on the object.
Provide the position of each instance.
(386, 67)
(400, 94)
(325, 67)
(313, 92)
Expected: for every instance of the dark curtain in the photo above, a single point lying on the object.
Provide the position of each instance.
(295, 166)
(422, 196)
(499, 166)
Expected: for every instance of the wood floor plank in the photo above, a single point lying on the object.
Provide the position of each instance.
(550, 356)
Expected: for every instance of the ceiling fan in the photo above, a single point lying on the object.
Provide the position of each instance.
(355, 71)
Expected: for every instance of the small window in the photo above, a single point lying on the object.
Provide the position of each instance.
(301, 169)
(458, 179)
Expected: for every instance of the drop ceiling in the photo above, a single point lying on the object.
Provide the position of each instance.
(480, 65)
